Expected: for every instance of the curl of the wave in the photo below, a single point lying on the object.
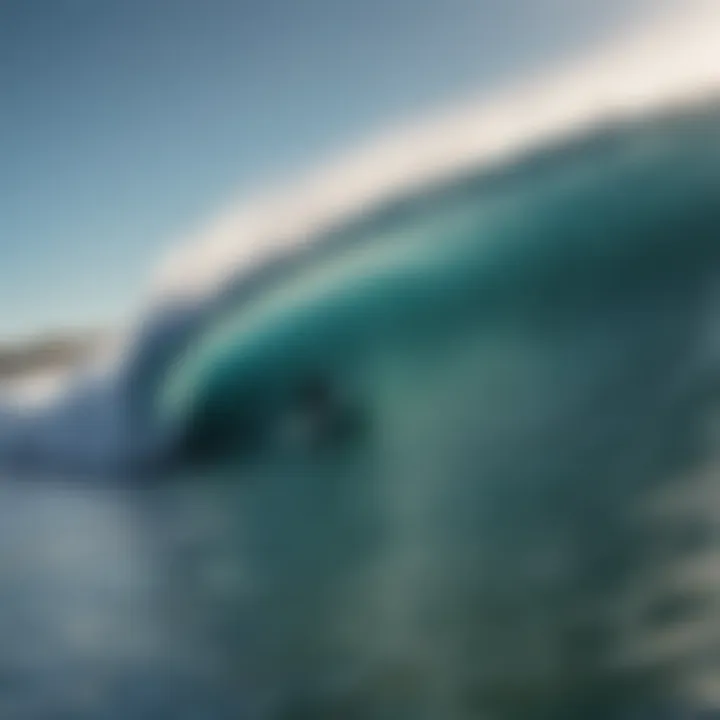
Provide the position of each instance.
(106, 417)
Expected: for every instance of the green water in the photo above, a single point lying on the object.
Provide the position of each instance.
(509, 376)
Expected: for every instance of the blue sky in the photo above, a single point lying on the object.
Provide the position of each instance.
(126, 123)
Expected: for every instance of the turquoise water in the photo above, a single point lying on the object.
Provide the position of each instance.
(457, 463)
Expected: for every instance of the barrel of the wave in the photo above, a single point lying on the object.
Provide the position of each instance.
(467, 445)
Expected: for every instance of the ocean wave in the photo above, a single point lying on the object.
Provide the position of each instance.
(438, 439)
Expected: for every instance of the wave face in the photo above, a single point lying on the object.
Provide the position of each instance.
(469, 443)
(454, 460)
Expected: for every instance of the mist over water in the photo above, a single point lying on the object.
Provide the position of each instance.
(457, 464)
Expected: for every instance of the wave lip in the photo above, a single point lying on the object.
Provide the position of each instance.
(670, 63)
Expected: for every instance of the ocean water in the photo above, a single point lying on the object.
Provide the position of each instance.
(458, 463)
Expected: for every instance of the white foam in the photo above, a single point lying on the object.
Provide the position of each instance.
(674, 60)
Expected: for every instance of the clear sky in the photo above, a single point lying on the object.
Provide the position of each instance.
(126, 123)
